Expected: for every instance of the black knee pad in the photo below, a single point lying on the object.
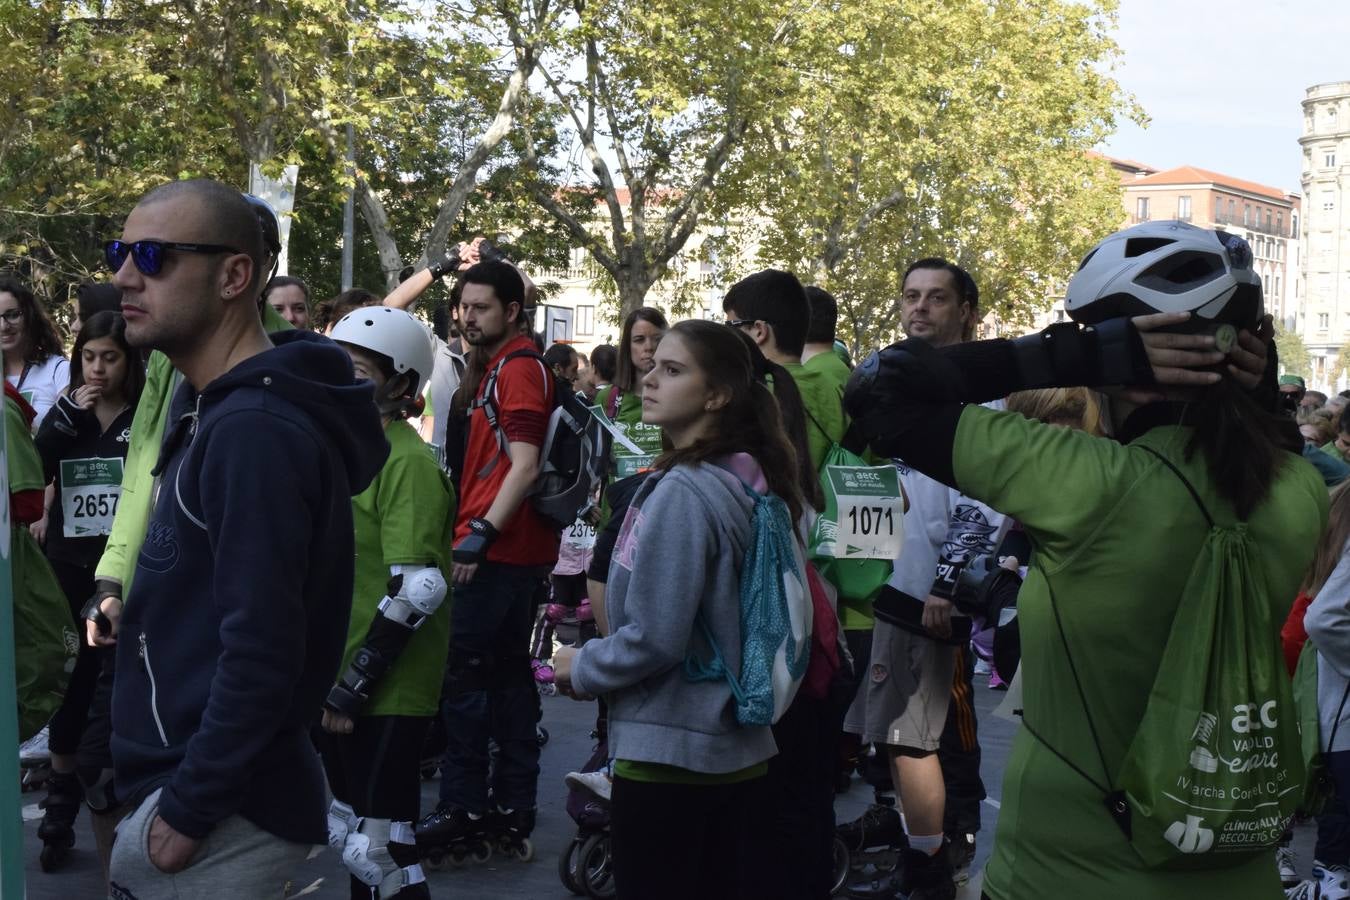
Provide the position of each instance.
(469, 671)
(911, 752)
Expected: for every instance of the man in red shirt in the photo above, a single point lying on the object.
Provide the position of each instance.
(503, 553)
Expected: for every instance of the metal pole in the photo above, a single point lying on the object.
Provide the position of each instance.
(11, 821)
(349, 213)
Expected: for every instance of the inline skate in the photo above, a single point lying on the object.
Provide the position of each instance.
(509, 832)
(451, 835)
(868, 853)
(56, 830)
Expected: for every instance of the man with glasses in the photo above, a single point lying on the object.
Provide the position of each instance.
(227, 646)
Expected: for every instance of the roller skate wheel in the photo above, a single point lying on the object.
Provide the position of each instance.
(524, 851)
(482, 853)
(459, 855)
(428, 772)
(541, 735)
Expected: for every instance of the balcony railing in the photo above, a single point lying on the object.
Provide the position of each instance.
(1280, 230)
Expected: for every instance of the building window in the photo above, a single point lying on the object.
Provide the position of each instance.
(1293, 224)
(1279, 223)
(1232, 209)
(1323, 321)
(1218, 208)
(585, 320)
(1268, 227)
(1184, 208)
(1328, 201)
(1329, 160)
(1277, 285)
(1141, 209)
(1265, 284)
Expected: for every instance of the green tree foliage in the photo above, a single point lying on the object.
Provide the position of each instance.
(1293, 354)
(954, 128)
(643, 108)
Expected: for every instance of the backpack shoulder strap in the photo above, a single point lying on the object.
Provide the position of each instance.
(1195, 495)
(487, 401)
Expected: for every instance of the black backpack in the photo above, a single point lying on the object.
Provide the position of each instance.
(575, 454)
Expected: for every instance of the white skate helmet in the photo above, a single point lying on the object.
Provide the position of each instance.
(1167, 267)
(394, 333)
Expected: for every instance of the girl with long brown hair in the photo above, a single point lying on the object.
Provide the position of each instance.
(686, 772)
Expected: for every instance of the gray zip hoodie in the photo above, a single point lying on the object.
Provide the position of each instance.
(1328, 623)
(680, 551)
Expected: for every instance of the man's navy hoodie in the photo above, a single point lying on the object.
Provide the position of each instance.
(236, 622)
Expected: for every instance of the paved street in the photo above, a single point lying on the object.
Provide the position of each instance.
(569, 725)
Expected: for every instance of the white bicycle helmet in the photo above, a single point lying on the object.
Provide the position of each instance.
(394, 333)
(1167, 266)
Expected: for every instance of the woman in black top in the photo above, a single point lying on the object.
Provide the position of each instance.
(83, 444)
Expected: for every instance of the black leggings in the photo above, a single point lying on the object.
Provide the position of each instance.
(377, 771)
(377, 768)
(67, 724)
(676, 841)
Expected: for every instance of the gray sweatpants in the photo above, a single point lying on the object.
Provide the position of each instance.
(237, 859)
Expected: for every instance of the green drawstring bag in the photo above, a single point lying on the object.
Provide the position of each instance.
(1215, 770)
(45, 642)
(856, 579)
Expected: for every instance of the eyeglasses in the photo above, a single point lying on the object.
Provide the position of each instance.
(741, 323)
(149, 255)
(12, 316)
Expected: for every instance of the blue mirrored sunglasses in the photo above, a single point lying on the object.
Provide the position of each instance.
(148, 255)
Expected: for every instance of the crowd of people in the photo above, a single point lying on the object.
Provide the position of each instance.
(303, 548)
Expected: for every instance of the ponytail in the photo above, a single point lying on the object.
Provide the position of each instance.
(1241, 443)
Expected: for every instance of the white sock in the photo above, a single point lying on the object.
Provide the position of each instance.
(928, 843)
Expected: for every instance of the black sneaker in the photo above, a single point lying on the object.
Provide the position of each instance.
(927, 877)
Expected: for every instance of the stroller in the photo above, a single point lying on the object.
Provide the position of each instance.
(585, 866)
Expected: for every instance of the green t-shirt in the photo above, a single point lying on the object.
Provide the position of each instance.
(406, 516)
(821, 380)
(1116, 534)
(659, 773)
(1330, 449)
(628, 417)
(830, 364)
(823, 396)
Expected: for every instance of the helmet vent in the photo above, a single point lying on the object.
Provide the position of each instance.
(1141, 245)
(1182, 272)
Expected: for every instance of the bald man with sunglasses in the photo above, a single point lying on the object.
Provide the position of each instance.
(227, 644)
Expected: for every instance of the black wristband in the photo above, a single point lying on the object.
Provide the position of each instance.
(484, 529)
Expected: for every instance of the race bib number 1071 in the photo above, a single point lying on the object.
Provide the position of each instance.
(870, 512)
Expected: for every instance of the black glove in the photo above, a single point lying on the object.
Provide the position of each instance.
(446, 266)
(473, 548)
(93, 611)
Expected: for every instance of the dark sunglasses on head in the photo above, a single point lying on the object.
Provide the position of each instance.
(741, 323)
(149, 255)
